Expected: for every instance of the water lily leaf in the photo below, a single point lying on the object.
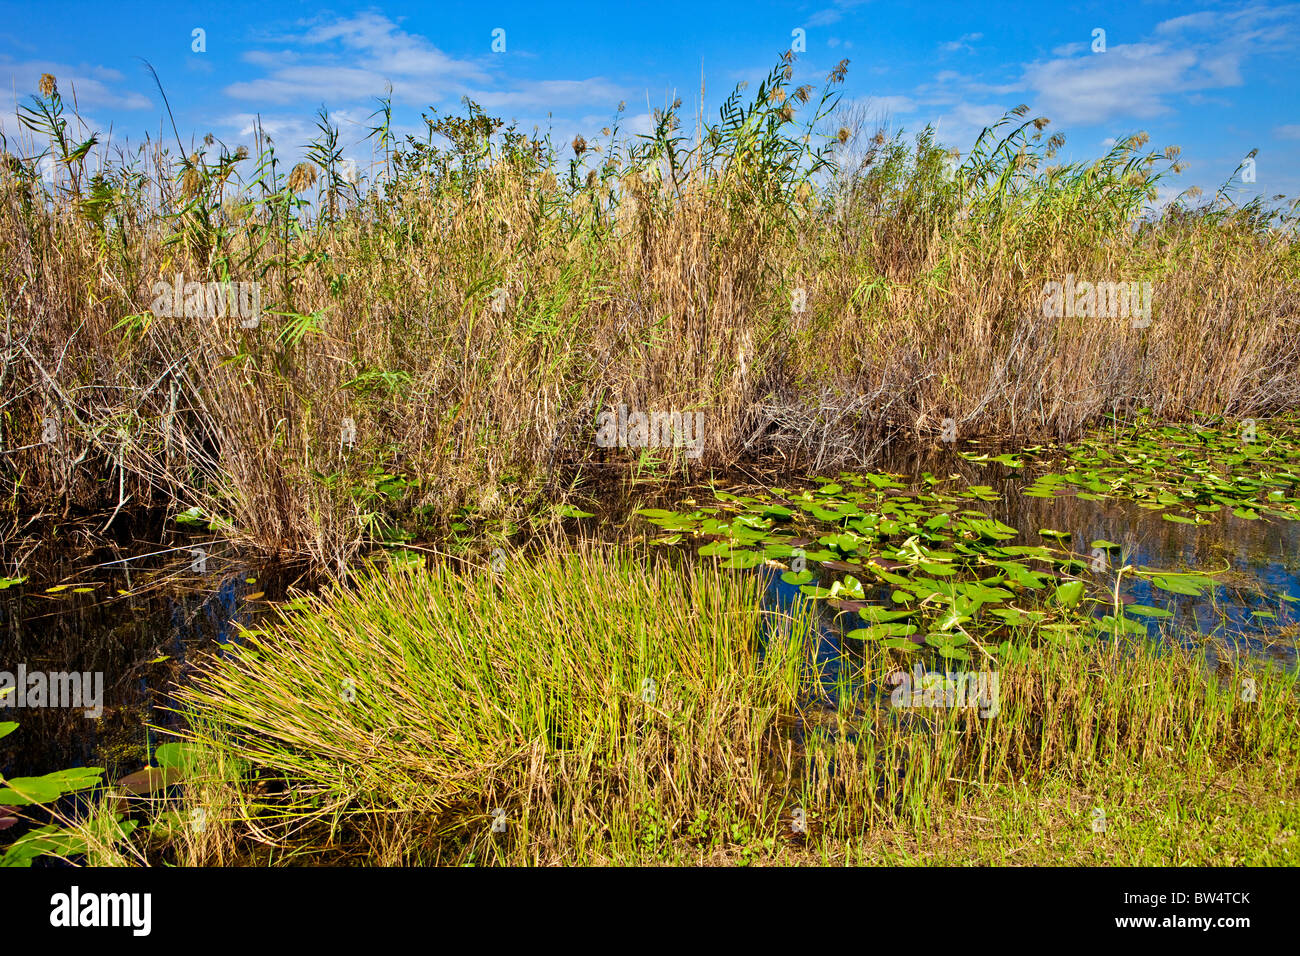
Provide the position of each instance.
(178, 755)
(876, 614)
(812, 591)
(26, 791)
(901, 644)
(989, 528)
(741, 560)
(1017, 617)
(877, 632)
(850, 586)
(146, 781)
(1111, 623)
(1178, 584)
(1146, 610)
(1069, 594)
(797, 577)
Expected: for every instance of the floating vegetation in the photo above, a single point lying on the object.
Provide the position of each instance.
(1187, 472)
(918, 567)
(924, 569)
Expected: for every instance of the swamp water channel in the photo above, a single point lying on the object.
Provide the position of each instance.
(1183, 535)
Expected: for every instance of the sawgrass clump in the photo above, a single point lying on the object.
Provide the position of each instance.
(605, 708)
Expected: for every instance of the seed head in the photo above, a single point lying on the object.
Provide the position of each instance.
(843, 135)
(579, 145)
(302, 177)
(48, 86)
(192, 181)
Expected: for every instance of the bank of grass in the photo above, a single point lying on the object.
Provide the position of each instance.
(388, 720)
(817, 288)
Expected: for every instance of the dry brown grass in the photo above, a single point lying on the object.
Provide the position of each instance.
(641, 286)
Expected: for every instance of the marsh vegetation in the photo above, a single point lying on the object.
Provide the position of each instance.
(1068, 536)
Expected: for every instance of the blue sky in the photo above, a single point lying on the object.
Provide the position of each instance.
(1217, 79)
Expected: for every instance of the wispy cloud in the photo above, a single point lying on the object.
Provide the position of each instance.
(92, 86)
(351, 59)
(964, 42)
(832, 14)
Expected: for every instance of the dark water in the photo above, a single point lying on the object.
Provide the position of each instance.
(147, 640)
(143, 625)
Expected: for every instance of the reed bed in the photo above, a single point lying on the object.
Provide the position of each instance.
(439, 334)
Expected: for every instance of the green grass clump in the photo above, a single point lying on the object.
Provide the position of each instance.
(567, 691)
(391, 718)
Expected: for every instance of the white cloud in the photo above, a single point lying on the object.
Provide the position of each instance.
(351, 59)
(832, 14)
(1126, 80)
(962, 43)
